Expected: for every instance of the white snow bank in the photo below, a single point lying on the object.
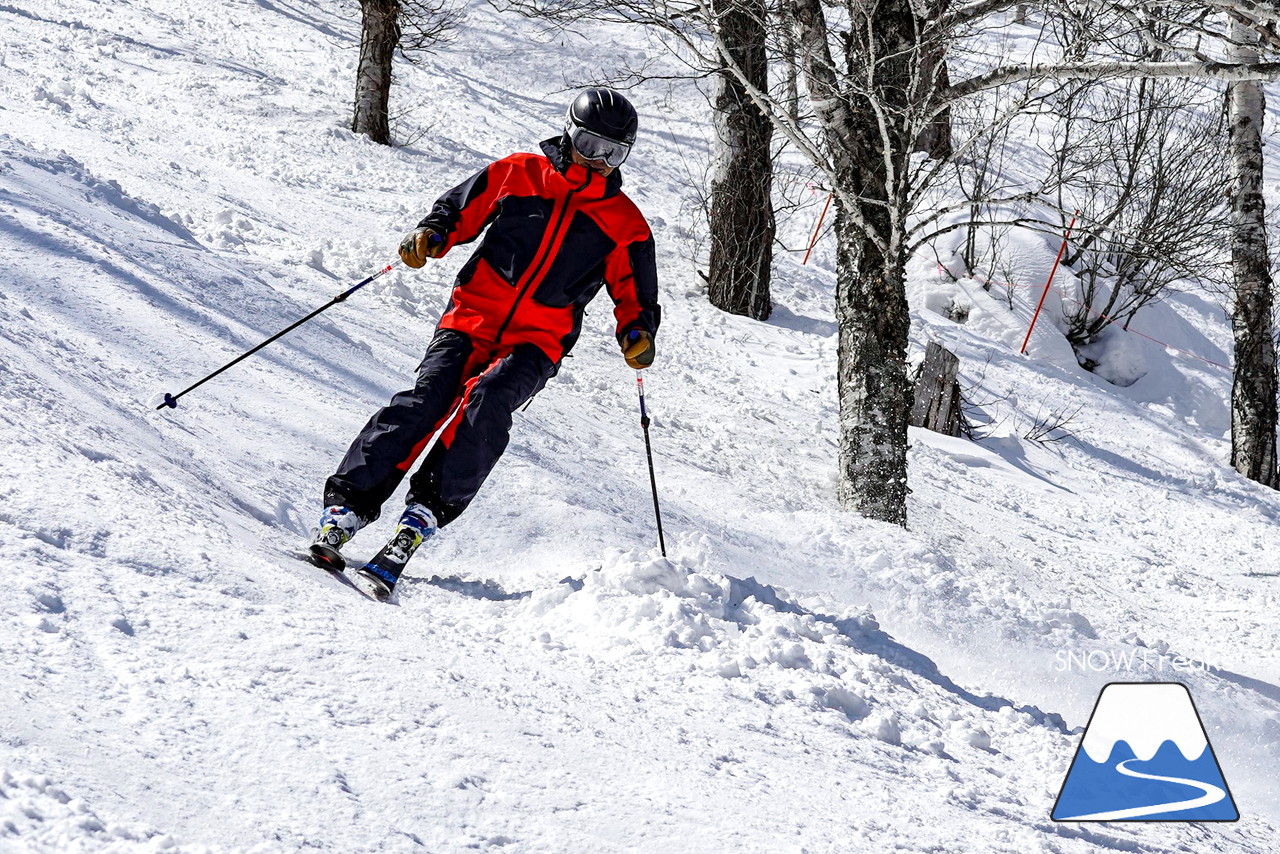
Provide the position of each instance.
(648, 611)
(37, 815)
(633, 605)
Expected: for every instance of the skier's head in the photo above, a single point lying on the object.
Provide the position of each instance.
(600, 126)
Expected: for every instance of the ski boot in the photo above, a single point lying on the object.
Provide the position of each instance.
(378, 577)
(337, 526)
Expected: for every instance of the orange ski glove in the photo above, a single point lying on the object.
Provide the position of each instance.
(638, 349)
(419, 245)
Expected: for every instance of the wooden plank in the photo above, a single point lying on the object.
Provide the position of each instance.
(937, 398)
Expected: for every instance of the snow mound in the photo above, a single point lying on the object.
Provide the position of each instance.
(1116, 357)
(637, 605)
(37, 815)
(668, 613)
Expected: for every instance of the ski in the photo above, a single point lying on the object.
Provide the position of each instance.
(330, 569)
(377, 578)
(327, 557)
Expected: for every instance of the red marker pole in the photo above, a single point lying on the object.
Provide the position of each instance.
(813, 241)
(1045, 293)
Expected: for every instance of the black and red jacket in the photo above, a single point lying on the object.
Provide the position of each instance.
(557, 232)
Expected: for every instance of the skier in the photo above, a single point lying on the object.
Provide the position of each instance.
(559, 228)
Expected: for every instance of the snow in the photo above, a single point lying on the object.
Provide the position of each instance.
(176, 184)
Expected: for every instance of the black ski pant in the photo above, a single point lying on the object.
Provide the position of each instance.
(465, 394)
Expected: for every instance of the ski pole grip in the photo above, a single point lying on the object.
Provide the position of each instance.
(644, 414)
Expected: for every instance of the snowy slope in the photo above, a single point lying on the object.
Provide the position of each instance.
(176, 184)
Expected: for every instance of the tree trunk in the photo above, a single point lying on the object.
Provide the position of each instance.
(932, 76)
(791, 59)
(869, 143)
(742, 223)
(1253, 394)
(871, 374)
(935, 139)
(379, 35)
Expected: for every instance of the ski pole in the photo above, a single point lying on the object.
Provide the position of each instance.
(171, 400)
(648, 452)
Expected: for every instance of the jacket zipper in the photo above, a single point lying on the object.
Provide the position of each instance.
(528, 282)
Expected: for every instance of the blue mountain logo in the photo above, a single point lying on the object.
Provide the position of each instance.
(1145, 756)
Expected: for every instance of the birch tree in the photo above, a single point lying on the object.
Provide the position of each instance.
(874, 85)
(1253, 394)
(413, 27)
(741, 217)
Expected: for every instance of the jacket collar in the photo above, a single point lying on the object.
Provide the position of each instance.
(557, 151)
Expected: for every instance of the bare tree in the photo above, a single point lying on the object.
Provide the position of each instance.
(1142, 161)
(870, 105)
(1177, 229)
(982, 178)
(413, 27)
(1253, 394)
(741, 218)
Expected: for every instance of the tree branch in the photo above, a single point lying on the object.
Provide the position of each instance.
(1224, 71)
(971, 12)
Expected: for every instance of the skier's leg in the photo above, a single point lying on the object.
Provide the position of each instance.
(385, 449)
(473, 441)
(466, 451)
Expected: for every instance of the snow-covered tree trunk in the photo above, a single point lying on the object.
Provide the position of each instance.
(932, 76)
(1253, 395)
(868, 136)
(379, 36)
(742, 223)
(791, 60)
(871, 374)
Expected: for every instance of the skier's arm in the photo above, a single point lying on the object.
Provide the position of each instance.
(631, 275)
(462, 213)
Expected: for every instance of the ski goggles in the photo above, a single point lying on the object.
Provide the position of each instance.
(593, 146)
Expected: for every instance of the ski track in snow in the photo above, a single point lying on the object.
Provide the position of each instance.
(176, 184)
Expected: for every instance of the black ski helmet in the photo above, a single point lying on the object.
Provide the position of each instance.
(604, 112)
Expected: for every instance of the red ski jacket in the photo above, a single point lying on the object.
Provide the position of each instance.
(557, 232)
